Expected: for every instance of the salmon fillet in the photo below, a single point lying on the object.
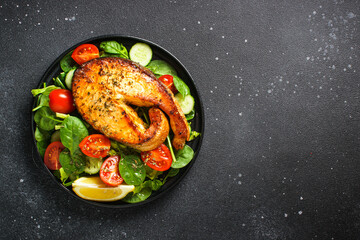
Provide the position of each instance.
(104, 91)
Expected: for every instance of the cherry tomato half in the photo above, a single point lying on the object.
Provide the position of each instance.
(95, 145)
(51, 157)
(84, 53)
(61, 101)
(109, 171)
(168, 80)
(158, 159)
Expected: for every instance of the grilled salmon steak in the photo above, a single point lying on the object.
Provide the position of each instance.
(105, 89)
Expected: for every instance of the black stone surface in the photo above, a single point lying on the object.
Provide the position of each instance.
(280, 87)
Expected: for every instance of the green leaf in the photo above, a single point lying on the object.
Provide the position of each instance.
(183, 157)
(72, 133)
(61, 174)
(73, 164)
(45, 119)
(160, 67)
(67, 63)
(138, 197)
(152, 173)
(193, 135)
(114, 47)
(43, 96)
(41, 135)
(41, 146)
(191, 115)
(181, 86)
(45, 90)
(171, 173)
(132, 169)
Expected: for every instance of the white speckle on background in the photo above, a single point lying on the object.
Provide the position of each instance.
(300, 212)
(285, 215)
(21, 180)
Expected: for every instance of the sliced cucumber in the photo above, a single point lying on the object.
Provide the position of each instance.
(186, 103)
(141, 53)
(69, 77)
(93, 165)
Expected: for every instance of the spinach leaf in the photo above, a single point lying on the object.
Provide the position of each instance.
(143, 191)
(132, 169)
(46, 119)
(160, 67)
(72, 133)
(172, 173)
(191, 115)
(67, 63)
(114, 47)
(183, 157)
(138, 197)
(181, 86)
(41, 135)
(41, 146)
(73, 164)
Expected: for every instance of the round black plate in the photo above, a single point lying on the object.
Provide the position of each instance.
(197, 123)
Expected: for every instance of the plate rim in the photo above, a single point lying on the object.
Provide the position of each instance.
(43, 79)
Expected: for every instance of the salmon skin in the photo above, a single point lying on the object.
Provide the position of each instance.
(104, 91)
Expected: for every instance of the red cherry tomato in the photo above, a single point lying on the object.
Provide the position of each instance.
(95, 145)
(158, 159)
(109, 171)
(84, 53)
(168, 80)
(51, 157)
(61, 101)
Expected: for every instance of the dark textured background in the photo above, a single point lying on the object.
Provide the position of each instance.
(279, 82)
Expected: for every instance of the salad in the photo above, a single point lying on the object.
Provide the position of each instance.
(96, 167)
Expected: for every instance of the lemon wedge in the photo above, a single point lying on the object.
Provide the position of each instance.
(92, 188)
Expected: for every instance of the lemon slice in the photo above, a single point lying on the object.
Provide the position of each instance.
(92, 188)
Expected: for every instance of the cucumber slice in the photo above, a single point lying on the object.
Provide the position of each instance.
(186, 103)
(93, 165)
(141, 53)
(69, 77)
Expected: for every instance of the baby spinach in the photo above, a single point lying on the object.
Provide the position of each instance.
(143, 191)
(172, 173)
(114, 49)
(73, 131)
(181, 86)
(46, 119)
(41, 146)
(67, 63)
(138, 197)
(132, 169)
(72, 163)
(183, 157)
(160, 67)
(41, 135)
(191, 115)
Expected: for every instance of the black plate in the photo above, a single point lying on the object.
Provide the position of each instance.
(197, 123)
